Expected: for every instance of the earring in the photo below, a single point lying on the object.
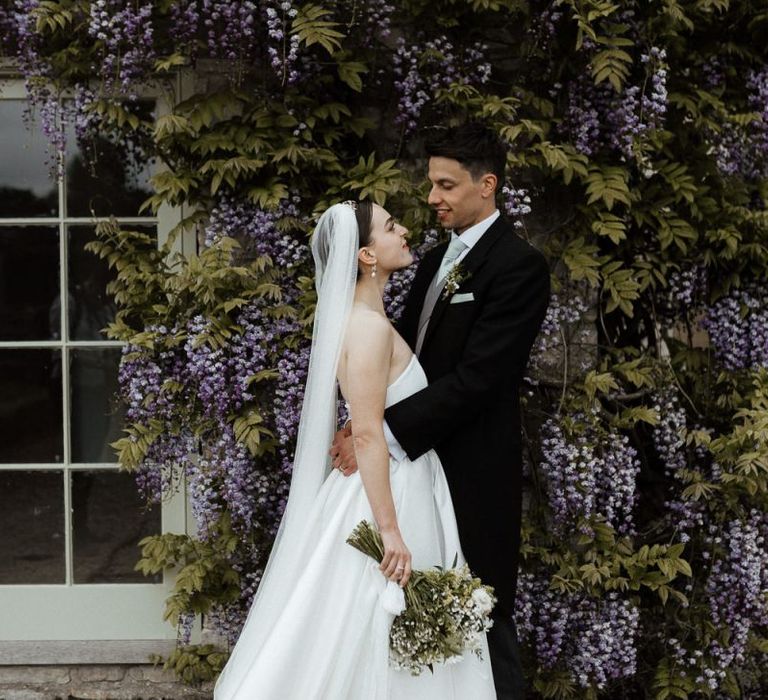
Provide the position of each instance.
(373, 270)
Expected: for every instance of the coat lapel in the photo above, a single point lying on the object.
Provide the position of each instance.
(471, 263)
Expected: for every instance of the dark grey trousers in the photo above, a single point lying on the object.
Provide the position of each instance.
(505, 660)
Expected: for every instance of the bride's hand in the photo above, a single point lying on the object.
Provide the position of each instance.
(396, 564)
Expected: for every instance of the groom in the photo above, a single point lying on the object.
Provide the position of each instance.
(472, 314)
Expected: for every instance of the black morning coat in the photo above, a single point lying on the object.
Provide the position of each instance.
(474, 355)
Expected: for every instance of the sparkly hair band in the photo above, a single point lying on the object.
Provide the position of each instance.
(350, 203)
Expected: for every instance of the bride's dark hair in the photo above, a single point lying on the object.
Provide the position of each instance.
(364, 216)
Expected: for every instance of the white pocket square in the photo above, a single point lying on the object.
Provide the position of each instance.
(461, 298)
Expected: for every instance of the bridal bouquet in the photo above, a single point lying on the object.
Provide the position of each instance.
(446, 611)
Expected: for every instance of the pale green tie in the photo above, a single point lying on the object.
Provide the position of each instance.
(455, 248)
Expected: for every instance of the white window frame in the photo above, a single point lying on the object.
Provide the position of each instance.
(81, 622)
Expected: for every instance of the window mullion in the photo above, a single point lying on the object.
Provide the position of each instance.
(64, 335)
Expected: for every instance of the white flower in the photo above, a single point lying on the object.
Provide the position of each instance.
(482, 600)
(473, 642)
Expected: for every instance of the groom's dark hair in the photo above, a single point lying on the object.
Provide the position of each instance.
(477, 147)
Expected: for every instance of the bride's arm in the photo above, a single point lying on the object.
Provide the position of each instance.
(368, 350)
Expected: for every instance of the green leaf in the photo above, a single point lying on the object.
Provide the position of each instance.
(165, 64)
(635, 373)
(51, 16)
(172, 125)
(270, 194)
(249, 431)
(608, 184)
(611, 226)
(560, 158)
(630, 416)
(312, 29)
(350, 72)
(620, 285)
(333, 111)
(611, 65)
(582, 261)
(374, 181)
(675, 230)
(599, 383)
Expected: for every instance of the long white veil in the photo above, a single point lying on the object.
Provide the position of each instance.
(335, 245)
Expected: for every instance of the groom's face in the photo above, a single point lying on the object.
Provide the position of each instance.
(459, 200)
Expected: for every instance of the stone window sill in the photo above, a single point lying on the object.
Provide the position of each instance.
(46, 653)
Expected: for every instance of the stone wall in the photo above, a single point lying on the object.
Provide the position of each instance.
(95, 682)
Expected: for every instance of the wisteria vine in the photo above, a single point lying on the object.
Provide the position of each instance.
(639, 156)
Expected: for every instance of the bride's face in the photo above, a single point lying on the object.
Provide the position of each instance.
(388, 241)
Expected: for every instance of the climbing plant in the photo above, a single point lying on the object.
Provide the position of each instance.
(638, 162)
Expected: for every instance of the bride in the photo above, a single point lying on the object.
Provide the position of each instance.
(317, 629)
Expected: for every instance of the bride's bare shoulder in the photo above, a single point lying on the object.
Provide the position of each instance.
(366, 319)
(368, 327)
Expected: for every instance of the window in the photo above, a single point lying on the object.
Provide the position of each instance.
(70, 521)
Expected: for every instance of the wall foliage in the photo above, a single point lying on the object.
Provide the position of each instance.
(638, 154)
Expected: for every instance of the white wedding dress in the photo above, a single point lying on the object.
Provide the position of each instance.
(330, 640)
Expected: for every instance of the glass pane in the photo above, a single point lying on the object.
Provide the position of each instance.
(90, 307)
(109, 517)
(31, 527)
(26, 187)
(107, 179)
(96, 417)
(30, 406)
(29, 283)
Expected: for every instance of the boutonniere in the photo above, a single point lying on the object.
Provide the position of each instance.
(456, 276)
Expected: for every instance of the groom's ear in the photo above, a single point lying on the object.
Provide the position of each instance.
(489, 183)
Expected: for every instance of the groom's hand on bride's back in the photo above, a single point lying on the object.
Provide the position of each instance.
(343, 451)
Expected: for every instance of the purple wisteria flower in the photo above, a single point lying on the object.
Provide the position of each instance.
(195, 390)
(590, 474)
(737, 325)
(593, 639)
(230, 28)
(259, 230)
(126, 34)
(45, 110)
(598, 118)
(741, 149)
(422, 68)
(377, 20)
(284, 47)
(544, 30)
(517, 204)
(686, 293)
(736, 589)
(683, 515)
(184, 27)
(562, 339)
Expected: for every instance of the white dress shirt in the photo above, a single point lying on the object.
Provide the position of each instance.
(469, 237)
(474, 233)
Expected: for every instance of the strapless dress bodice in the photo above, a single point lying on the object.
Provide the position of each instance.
(409, 381)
